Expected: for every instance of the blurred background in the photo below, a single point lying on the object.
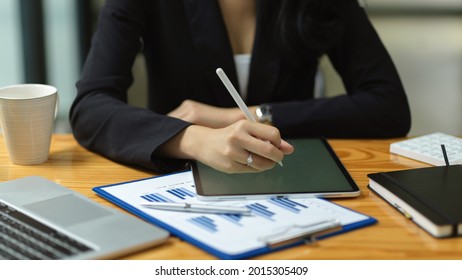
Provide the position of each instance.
(46, 41)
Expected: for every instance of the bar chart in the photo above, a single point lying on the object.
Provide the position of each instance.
(270, 210)
(242, 233)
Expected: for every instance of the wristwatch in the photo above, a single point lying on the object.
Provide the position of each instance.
(264, 114)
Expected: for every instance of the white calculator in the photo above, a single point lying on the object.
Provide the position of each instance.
(427, 148)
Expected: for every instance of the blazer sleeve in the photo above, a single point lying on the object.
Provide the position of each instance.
(101, 119)
(375, 104)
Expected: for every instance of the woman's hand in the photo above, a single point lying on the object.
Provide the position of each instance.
(227, 149)
(206, 115)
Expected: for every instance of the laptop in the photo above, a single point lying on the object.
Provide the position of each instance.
(40, 219)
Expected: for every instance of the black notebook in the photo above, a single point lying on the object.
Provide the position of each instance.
(431, 197)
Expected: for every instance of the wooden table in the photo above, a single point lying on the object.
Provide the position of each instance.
(393, 237)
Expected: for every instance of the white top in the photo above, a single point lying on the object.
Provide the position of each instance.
(242, 63)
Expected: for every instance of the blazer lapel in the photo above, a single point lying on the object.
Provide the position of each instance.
(211, 41)
(266, 62)
(212, 44)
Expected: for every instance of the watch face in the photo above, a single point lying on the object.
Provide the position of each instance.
(264, 110)
(264, 114)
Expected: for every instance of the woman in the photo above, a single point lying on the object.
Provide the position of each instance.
(269, 49)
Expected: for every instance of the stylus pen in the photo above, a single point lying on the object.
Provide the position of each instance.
(237, 98)
(202, 208)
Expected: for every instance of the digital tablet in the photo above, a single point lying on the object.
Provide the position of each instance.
(313, 170)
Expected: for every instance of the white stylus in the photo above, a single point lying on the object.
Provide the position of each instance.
(237, 98)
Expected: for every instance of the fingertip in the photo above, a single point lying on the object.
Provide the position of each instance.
(286, 147)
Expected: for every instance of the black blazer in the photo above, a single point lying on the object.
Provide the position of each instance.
(185, 41)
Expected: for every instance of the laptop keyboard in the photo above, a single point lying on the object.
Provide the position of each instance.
(22, 237)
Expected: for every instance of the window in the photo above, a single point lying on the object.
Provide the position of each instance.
(11, 68)
(45, 41)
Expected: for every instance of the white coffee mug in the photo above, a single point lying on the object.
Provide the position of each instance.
(27, 115)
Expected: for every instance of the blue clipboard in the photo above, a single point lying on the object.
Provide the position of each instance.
(277, 217)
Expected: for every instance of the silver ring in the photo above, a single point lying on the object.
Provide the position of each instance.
(249, 160)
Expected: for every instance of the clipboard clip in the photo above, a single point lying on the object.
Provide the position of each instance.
(301, 232)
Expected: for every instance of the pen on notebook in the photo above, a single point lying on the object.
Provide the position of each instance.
(202, 208)
(237, 98)
(445, 154)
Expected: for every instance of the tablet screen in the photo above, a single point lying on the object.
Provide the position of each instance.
(312, 170)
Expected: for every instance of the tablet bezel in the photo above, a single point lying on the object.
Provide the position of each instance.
(354, 192)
